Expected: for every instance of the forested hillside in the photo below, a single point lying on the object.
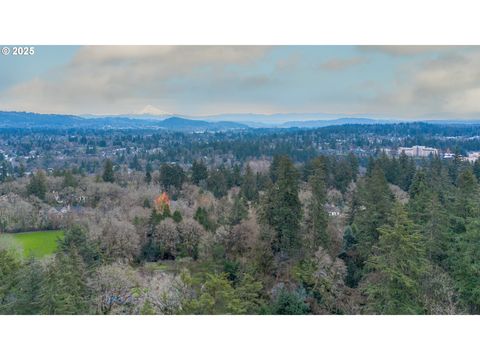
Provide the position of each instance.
(254, 222)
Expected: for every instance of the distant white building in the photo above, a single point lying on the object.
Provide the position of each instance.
(473, 156)
(418, 151)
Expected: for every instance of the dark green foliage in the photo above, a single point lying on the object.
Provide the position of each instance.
(217, 183)
(398, 262)
(217, 295)
(466, 204)
(426, 209)
(172, 175)
(151, 250)
(231, 268)
(349, 240)
(289, 302)
(201, 216)
(353, 162)
(21, 170)
(147, 204)
(166, 212)
(199, 172)
(420, 193)
(108, 175)
(239, 210)
(135, 164)
(343, 175)
(148, 173)
(155, 218)
(420, 257)
(375, 205)
(249, 188)
(38, 185)
(28, 287)
(64, 289)
(177, 216)
(318, 214)
(399, 171)
(233, 176)
(69, 180)
(76, 237)
(281, 208)
(406, 171)
(435, 229)
(464, 264)
(9, 267)
(148, 177)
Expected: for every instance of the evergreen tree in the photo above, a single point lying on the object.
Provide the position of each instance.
(135, 164)
(235, 178)
(38, 185)
(398, 263)
(435, 230)
(64, 289)
(199, 172)
(69, 180)
(217, 295)
(420, 195)
(21, 170)
(464, 264)
(148, 173)
(318, 214)
(290, 303)
(249, 185)
(282, 209)
(217, 183)
(239, 210)
(201, 216)
(28, 287)
(376, 202)
(9, 267)
(407, 171)
(172, 175)
(177, 216)
(148, 177)
(353, 162)
(466, 204)
(108, 175)
(76, 236)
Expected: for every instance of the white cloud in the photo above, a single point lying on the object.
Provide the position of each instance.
(100, 78)
(442, 82)
(448, 85)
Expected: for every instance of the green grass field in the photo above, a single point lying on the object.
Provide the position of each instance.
(35, 243)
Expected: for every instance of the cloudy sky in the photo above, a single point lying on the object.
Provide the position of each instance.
(379, 81)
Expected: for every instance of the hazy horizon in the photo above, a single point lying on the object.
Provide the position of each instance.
(382, 82)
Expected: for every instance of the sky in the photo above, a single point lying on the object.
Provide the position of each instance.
(396, 82)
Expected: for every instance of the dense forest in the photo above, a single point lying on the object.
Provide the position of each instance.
(268, 221)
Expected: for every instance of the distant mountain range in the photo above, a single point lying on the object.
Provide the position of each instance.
(34, 120)
(11, 119)
(341, 121)
(252, 119)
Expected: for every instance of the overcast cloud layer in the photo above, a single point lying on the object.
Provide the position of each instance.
(381, 81)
